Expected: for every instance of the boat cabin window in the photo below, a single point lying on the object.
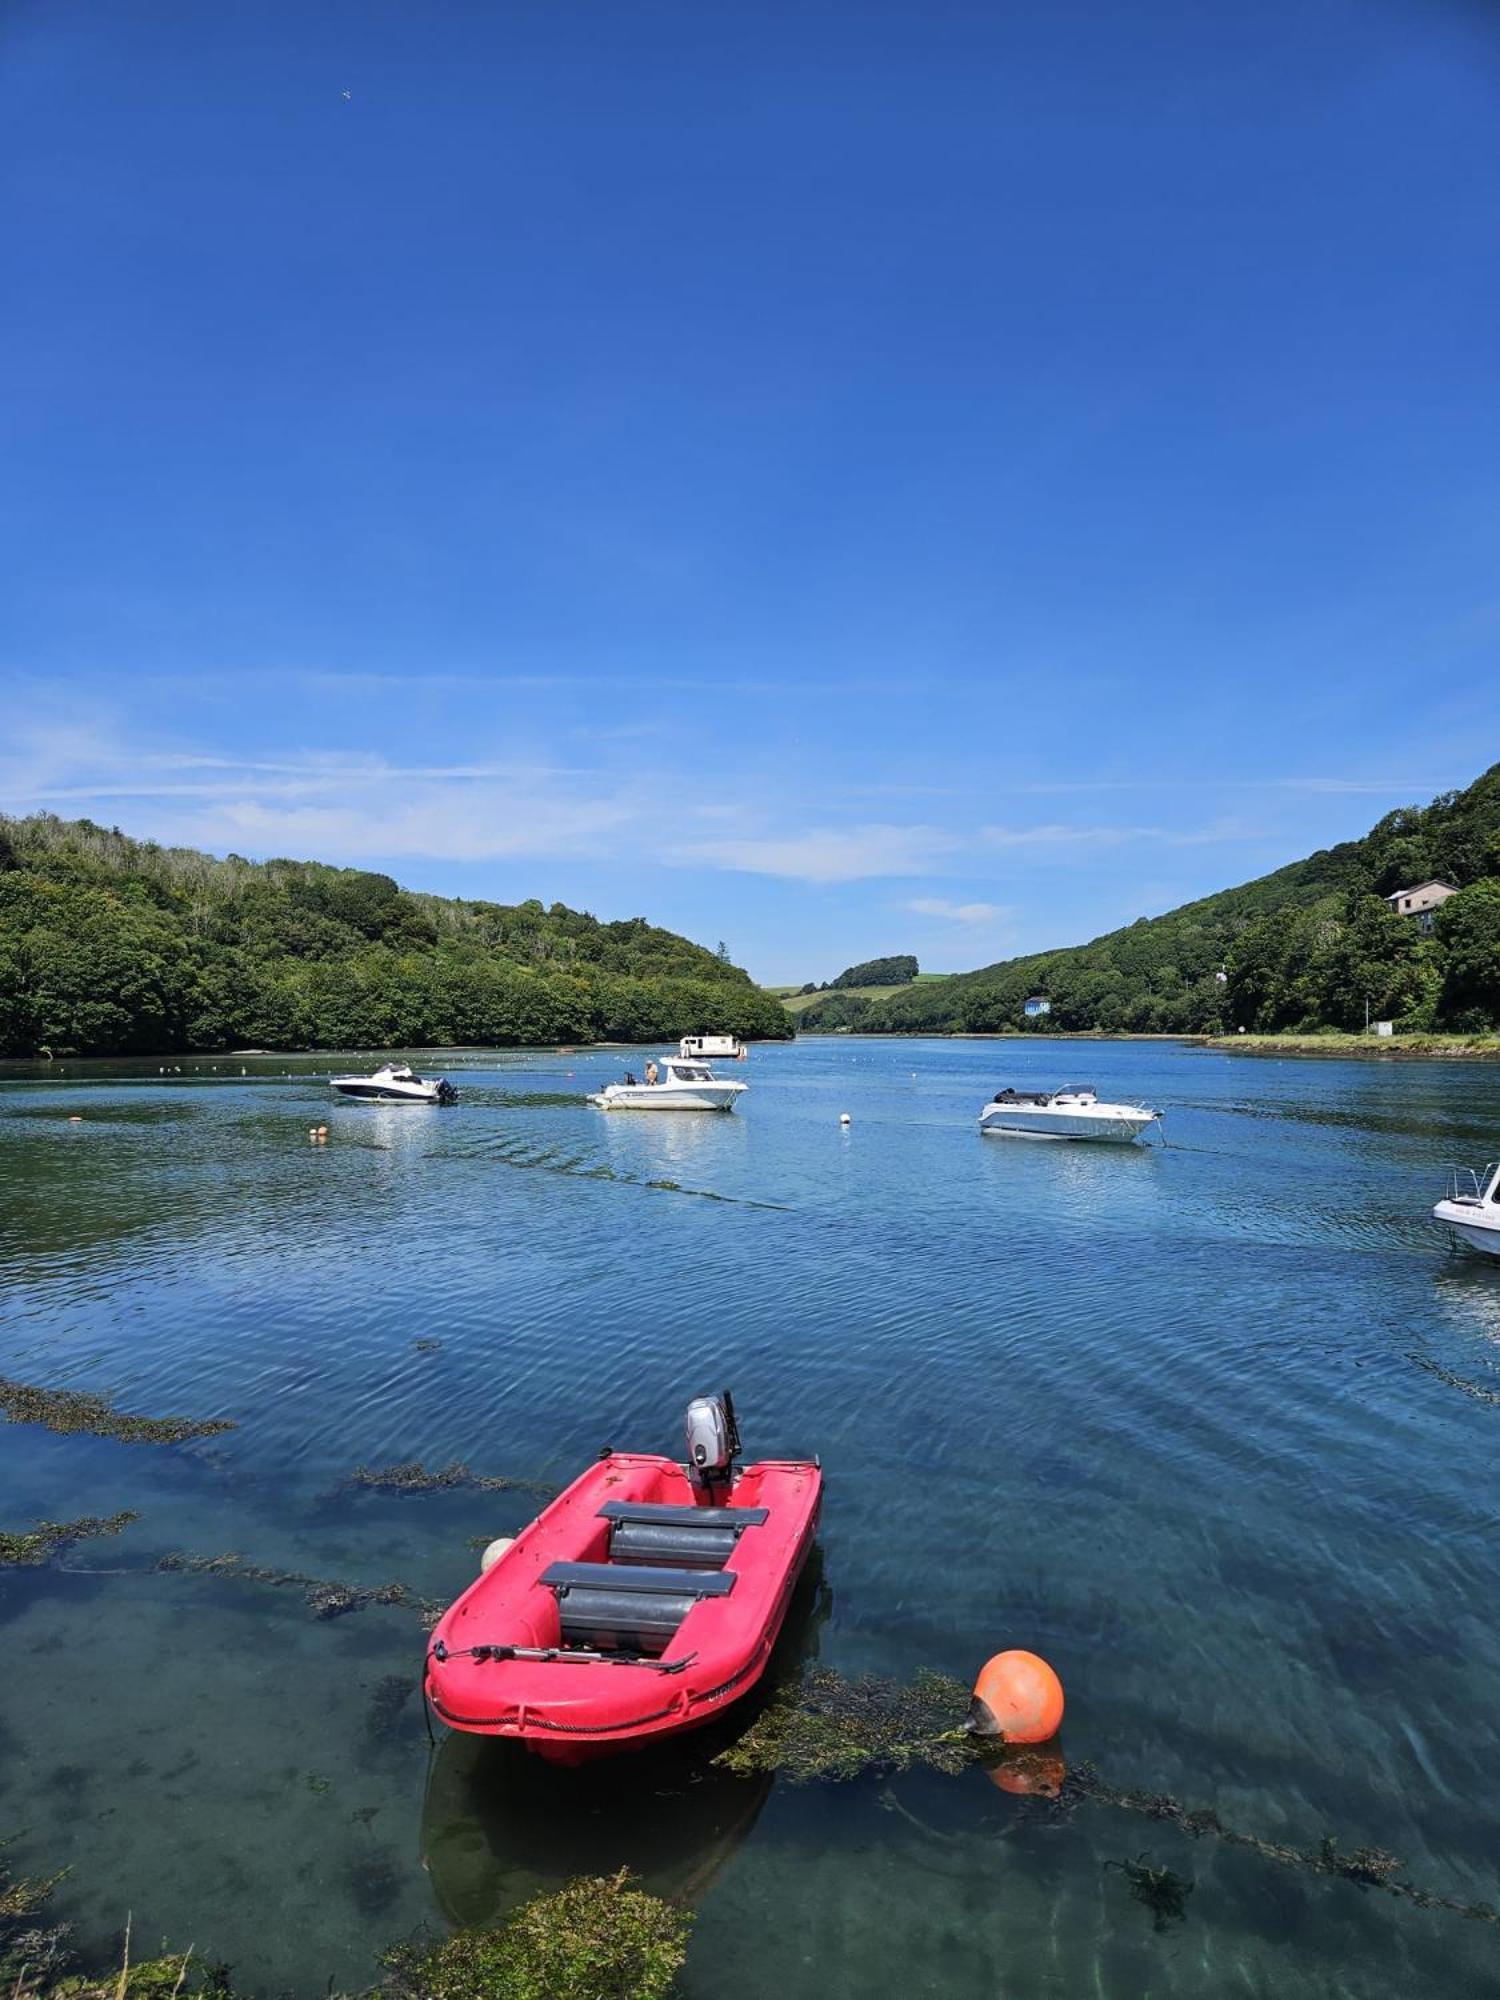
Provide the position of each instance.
(689, 1072)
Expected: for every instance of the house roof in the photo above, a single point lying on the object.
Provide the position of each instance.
(1417, 888)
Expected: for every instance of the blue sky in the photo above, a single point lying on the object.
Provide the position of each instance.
(833, 478)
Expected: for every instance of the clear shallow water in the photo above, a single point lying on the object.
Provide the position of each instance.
(1161, 1414)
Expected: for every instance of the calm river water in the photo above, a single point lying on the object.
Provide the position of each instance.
(1213, 1426)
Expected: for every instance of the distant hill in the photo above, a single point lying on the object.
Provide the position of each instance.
(897, 970)
(1307, 947)
(113, 946)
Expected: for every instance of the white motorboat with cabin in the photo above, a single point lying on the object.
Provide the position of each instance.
(395, 1083)
(1074, 1112)
(712, 1048)
(671, 1084)
(1471, 1208)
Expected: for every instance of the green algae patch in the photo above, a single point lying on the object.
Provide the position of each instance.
(597, 1938)
(74, 1412)
(829, 1727)
(43, 1541)
(414, 1477)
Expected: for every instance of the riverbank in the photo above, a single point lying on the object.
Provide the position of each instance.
(1464, 1048)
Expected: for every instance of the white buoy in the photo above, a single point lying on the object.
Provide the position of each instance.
(843, 1118)
(494, 1552)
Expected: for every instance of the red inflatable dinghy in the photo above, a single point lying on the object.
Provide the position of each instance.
(640, 1602)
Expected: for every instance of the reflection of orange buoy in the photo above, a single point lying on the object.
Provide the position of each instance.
(1018, 1698)
(1028, 1773)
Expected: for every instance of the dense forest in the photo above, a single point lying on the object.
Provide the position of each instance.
(1308, 948)
(112, 946)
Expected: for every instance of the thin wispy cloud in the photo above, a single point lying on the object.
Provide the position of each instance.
(831, 854)
(959, 913)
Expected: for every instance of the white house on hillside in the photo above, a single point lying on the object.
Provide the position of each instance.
(1421, 901)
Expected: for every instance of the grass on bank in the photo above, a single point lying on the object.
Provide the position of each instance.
(1332, 1043)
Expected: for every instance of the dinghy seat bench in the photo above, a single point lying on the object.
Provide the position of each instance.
(653, 1532)
(606, 1607)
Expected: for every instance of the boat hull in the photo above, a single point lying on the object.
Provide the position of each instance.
(1117, 1128)
(571, 1708)
(375, 1093)
(668, 1097)
(1462, 1218)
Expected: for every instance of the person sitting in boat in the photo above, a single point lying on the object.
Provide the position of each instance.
(652, 1073)
(630, 1078)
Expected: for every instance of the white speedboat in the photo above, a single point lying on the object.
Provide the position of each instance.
(670, 1085)
(1472, 1209)
(395, 1083)
(712, 1048)
(1072, 1113)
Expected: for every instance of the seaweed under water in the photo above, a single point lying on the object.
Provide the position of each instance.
(830, 1727)
(1465, 1387)
(827, 1727)
(74, 1411)
(326, 1598)
(43, 1541)
(414, 1477)
(1160, 1890)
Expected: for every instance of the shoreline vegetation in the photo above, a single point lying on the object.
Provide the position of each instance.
(1407, 1048)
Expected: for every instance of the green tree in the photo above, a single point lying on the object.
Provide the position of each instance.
(1467, 929)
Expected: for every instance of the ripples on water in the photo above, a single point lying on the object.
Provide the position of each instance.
(1200, 1423)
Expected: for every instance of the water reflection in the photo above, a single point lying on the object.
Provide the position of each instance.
(1467, 1292)
(500, 1824)
(686, 1146)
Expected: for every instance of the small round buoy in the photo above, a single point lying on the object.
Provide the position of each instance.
(1017, 1698)
(494, 1552)
(843, 1118)
(312, 1131)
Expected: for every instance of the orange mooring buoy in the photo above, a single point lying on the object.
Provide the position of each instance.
(1017, 1698)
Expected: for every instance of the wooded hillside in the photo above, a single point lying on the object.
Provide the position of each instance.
(112, 946)
(1305, 948)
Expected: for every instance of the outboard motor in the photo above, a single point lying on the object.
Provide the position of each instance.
(713, 1443)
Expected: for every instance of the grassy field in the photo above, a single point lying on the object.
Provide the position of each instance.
(1471, 1047)
(798, 1003)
